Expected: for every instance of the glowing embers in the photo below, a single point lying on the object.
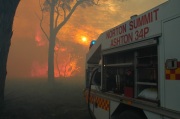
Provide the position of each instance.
(63, 68)
(66, 69)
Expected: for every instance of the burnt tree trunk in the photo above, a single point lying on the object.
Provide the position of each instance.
(51, 45)
(51, 60)
(7, 12)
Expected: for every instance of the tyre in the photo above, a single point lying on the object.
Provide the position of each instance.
(131, 114)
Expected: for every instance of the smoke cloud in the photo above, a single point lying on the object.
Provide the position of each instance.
(29, 46)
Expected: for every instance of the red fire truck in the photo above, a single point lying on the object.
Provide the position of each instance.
(133, 69)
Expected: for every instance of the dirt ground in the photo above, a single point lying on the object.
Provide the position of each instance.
(36, 99)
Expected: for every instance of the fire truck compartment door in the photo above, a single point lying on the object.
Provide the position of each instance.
(171, 38)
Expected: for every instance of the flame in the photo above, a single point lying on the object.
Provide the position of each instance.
(39, 70)
(56, 48)
(38, 38)
(67, 68)
(63, 49)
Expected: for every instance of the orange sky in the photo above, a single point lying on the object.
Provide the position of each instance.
(86, 22)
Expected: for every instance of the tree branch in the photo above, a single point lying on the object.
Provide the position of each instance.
(57, 17)
(64, 12)
(97, 2)
(68, 16)
(48, 2)
(41, 21)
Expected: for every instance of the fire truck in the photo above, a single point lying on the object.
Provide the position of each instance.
(133, 69)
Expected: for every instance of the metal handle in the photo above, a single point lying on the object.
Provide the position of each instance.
(171, 63)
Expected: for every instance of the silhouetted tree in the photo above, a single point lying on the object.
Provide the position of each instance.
(59, 12)
(7, 12)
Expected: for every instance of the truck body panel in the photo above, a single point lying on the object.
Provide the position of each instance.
(171, 47)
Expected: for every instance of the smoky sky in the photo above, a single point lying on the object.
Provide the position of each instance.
(89, 22)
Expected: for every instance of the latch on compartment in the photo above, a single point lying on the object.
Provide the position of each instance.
(171, 63)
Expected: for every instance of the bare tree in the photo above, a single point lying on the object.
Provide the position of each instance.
(7, 12)
(59, 12)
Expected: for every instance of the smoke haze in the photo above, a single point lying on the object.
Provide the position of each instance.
(29, 46)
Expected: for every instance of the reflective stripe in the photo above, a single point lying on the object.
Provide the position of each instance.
(173, 74)
(100, 102)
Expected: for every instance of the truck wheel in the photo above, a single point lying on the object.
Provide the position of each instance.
(131, 114)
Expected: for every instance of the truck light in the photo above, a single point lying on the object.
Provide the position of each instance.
(92, 43)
